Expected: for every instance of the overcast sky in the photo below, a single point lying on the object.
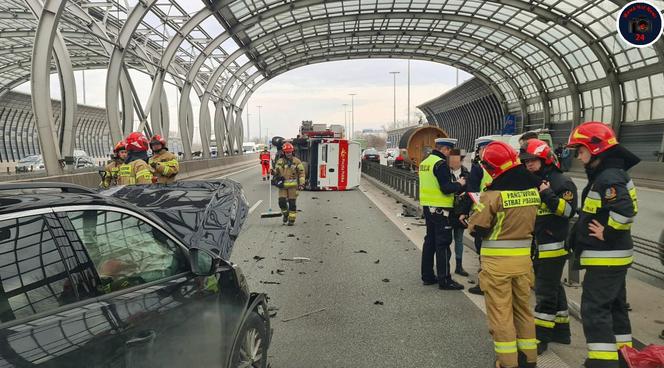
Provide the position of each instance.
(314, 92)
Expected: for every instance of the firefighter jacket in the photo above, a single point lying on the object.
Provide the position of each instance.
(437, 187)
(164, 166)
(505, 216)
(558, 205)
(135, 170)
(610, 198)
(292, 170)
(112, 171)
(265, 157)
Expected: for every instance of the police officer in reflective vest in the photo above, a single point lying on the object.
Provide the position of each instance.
(112, 170)
(164, 164)
(135, 170)
(505, 218)
(603, 242)
(559, 203)
(291, 169)
(437, 197)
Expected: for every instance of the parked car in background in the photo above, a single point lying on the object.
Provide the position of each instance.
(79, 160)
(390, 155)
(92, 280)
(370, 154)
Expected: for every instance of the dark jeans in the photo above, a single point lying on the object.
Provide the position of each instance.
(458, 244)
(436, 242)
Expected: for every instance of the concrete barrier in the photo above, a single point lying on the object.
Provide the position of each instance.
(188, 169)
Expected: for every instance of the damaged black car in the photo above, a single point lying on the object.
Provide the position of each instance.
(132, 277)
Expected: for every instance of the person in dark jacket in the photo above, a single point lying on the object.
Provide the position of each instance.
(558, 195)
(437, 190)
(603, 241)
(461, 210)
(477, 183)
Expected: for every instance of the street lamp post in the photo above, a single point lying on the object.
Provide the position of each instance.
(352, 113)
(395, 97)
(408, 119)
(345, 118)
(248, 128)
(260, 128)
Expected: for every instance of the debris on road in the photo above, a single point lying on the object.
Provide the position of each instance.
(386, 280)
(290, 236)
(270, 282)
(377, 261)
(297, 259)
(378, 302)
(280, 272)
(303, 315)
(361, 251)
(258, 258)
(314, 197)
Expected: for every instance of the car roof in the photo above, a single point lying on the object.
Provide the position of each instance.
(34, 196)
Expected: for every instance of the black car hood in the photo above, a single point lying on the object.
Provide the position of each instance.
(203, 214)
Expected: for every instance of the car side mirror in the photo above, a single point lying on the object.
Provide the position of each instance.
(202, 263)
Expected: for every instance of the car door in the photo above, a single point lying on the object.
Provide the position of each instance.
(167, 317)
(43, 322)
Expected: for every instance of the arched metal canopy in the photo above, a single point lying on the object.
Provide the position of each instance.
(554, 58)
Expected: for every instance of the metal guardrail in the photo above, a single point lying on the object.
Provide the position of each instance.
(403, 181)
(648, 257)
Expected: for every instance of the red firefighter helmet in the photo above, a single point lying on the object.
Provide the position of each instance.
(137, 142)
(288, 148)
(498, 158)
(157, 139)
(595, 136)
(536, 148)
(120, 146)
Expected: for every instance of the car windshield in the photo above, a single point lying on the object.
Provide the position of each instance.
(370, 151)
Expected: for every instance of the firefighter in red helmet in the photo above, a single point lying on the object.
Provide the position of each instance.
(112, 170)
(290, 171)
(558, 195)
(505, 219)
(164, 164)
(135, 169)
(603, 242)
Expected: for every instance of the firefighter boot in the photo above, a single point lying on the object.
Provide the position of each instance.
(283, 205)
(291, 218)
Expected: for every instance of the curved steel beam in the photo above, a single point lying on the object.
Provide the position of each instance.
(40, 83)
(69, 102)
(116, 61)
(165, 63)
(296, 60)
(528, 69)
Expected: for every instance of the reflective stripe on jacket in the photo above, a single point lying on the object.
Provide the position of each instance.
(510, 216)
(430, 192)
(135, 172)
(291, 170)
(610, 200)
(165, 166)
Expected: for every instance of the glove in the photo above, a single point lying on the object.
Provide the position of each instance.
(300, 187)
(153, 164)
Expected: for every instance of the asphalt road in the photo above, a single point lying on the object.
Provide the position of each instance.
(415, 326)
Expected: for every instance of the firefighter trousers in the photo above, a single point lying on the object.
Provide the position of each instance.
(551, 314)
(265, 166)
(605, 316)
(436, 243)
(288, 203)
(507, 298)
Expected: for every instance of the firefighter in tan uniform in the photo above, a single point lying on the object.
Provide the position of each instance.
(164, 164)
(505, 219)
(112, 170)
(135, 170)
(291, 170)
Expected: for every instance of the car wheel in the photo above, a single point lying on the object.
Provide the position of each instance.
(251, 348)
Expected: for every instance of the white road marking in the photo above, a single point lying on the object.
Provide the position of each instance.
(253, 208)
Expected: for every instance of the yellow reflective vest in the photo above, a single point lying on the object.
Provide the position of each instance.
(430, 193)
(112, 171)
